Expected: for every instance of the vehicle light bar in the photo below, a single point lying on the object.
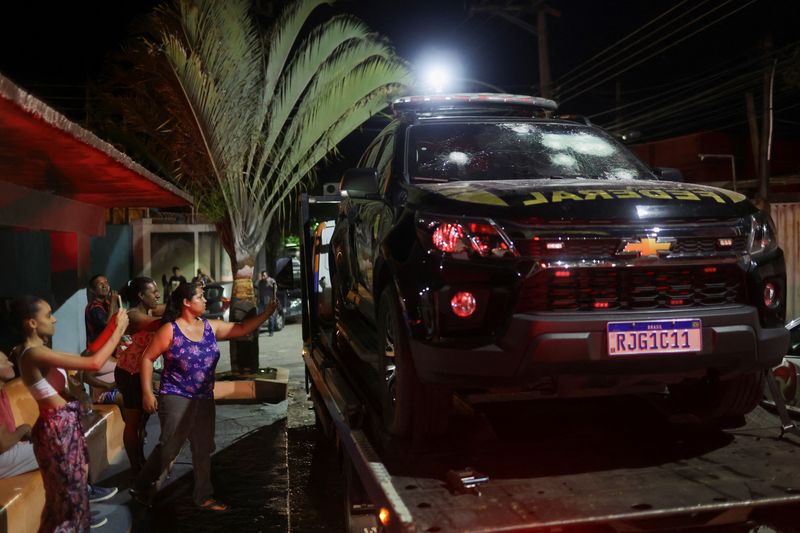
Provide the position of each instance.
(433, 102)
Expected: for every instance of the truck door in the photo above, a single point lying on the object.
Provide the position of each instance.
(370, 217)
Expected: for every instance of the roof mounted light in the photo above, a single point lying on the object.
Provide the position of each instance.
(443, 102)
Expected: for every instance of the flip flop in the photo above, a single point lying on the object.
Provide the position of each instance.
(215, 506)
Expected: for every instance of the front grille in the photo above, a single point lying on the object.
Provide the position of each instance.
(632, 289)
(572, 248)
(600, 248)
(705, 246)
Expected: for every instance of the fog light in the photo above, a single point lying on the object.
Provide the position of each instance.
(384, 516)
(771, 297)
(463, 304)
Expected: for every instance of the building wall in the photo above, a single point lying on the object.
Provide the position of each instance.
(111, 254)
(159, 247)
(25, 268)
(787, 224)
(171, 249)
(70, 334)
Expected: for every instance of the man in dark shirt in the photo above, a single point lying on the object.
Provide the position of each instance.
(103, 303)
(175, 280)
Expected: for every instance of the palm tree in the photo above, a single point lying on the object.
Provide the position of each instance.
(243, 116)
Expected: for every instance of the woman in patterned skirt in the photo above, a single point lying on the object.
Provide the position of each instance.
(57, 436)
(186, 398)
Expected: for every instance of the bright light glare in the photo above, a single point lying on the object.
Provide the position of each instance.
(438, 70)
(437, 77)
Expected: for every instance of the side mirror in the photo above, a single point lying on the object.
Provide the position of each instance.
(668, 174)
(360, 183)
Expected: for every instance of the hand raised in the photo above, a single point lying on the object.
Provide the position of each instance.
(122, 319)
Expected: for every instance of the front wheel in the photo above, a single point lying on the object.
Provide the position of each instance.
(713, 399)
(408, 405)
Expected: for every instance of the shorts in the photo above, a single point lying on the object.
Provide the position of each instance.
(130, 387)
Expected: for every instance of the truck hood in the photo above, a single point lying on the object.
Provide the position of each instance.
(579, 199)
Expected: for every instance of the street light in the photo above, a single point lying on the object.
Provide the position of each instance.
(723, 156)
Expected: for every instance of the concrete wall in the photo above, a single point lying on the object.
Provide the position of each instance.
(159, 247)
(111, 254)
(70, 334)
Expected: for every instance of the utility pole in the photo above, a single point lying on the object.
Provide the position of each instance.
(752, 122)
(512, 13)
(766, 130)
(542, 11)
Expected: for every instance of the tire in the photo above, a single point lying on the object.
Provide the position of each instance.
(409, 407)
(280, 322)
(713, 399)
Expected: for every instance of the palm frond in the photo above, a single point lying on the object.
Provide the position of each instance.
(246, 117)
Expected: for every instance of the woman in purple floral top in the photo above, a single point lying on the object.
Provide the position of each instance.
(186, 398)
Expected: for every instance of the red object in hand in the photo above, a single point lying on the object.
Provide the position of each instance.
(101, 339)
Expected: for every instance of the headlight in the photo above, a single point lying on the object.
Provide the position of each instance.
(463, 238)
(762, 234)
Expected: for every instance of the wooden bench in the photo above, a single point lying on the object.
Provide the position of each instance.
(22, 497)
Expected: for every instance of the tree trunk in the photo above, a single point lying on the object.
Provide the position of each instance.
(243, 350)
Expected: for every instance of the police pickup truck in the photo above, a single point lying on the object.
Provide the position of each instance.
(486, 250)
(627, 310)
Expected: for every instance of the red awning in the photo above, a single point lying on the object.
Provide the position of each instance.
(43, 150)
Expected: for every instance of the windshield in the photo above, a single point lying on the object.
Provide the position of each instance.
(516, 150)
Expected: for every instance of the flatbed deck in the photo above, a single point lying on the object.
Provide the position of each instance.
(616, 462)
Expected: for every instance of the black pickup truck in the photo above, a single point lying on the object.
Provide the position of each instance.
(484, 248)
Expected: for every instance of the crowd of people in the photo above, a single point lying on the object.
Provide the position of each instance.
(122, 345)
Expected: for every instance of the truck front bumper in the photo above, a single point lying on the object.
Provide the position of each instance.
(539, 345)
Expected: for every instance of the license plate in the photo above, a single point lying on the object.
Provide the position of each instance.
(655, 336)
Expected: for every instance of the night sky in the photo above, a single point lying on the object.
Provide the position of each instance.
(53, 49)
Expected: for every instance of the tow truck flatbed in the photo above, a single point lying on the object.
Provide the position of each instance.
(618, 463)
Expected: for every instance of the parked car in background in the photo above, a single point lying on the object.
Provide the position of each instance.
(216, 302)
(287, 276)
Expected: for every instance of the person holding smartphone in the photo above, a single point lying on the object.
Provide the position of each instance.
(57, 436)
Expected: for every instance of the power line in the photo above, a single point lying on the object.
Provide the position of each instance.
(726, 91)
(673, 131)
(700, 80)
(640, 61)
(679, 118)
(709, 95)
(566, 76)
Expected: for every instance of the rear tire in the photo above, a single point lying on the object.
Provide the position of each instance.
(409, 407)
(714, 400)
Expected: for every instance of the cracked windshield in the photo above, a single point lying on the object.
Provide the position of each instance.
(516, 150)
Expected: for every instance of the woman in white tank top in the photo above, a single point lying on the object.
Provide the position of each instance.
(57, 436)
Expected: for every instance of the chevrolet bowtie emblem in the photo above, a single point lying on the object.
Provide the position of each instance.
(646, 247)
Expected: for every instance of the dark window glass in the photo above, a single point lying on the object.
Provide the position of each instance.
(516, 150)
